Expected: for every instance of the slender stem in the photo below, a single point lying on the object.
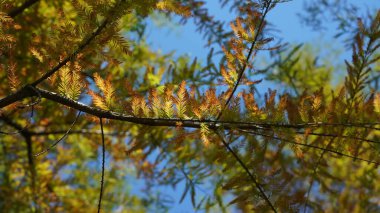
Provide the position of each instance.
(314, 174)
(19, 129)
(32, 169)
(84, 44)
(312, 146)
(267, 6)
(77, 132)
(60, 139)
(18, 10)
(252, 176)
(340, 135)
(103, 162)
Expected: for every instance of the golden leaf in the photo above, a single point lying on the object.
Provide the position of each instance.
(97, 100)
(12, 78)
(376, 103)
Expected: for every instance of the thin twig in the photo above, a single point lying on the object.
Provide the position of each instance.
(330, 135)
(191, 181)
(339, 136)
(310, 146)
(32, 167)
(78, 132)
(36, 101)
(83, 44)
(314, 174)
(252, 176)
(59, 140)
(103, 162)
(19, 129)
(267, 6)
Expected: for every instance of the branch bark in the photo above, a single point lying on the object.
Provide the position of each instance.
(168, 122)
(18, 10)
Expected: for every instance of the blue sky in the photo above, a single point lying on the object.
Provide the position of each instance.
(185, 40)
(284, 17)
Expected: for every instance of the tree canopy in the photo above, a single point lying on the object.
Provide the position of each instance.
(89, 110)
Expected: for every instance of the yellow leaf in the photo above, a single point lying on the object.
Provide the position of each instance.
(204, 132)
(155, 103)
(5, 18)
(12, 78)
(97, 100)
(108, 91)
(36, 54)
(181, 100)
(135, 105)
(175, 7)
(99, 82)
(296, 149)
(376, 103)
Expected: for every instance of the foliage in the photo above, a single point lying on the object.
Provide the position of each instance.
(82, 88)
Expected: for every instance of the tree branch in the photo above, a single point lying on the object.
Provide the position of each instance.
(83, 44)
(20, 94)
(19, 129)
(78, 131)
(369, 141)
(315, 174)
(18, 10)
(252, 176)
(169, 122)
(29, 150)
(267, 6)
(313, 147)
(103, 162)
(60, 139)
(32, 168)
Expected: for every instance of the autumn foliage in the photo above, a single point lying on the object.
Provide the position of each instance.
(88, 108)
